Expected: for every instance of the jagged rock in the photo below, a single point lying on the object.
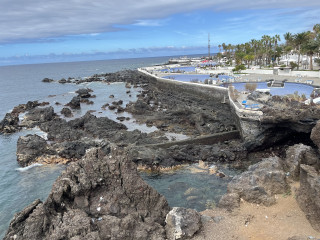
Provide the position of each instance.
(86, 126)
(260, 182)
(37, 116)
(182, 223)
(62, 81)
(139, 107)
(47, 80)
(230, 201)
(77, 149)
(308, 195)
(10, 123)
(100, 197)
(74, 103)
(66, 112)
(315, 134)
(299, 154)
(84, 92)
(29, 148)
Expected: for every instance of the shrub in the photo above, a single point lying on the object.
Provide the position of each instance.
(238, 68)
(293, 65)
(250, 87)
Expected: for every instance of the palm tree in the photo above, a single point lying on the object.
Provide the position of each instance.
(288, 37)
(298, 40)
(316, 28)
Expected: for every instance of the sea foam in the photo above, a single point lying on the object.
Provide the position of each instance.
(23, 169)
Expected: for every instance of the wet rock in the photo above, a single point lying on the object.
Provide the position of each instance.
(299, 154)
(66, 112)
(37, 116)
(100, 197)
(260, 182)
(308, 195)
(84, 92)
(47, 80)
(121, 119)
(139, 107)
(182, 223)
(10, 123)
(74, 103)
(29, 148)
(86, 101)
(62, 81)
(120, 102)
(76, 149)
(86, 126)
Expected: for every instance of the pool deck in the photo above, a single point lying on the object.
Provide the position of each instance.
(247, 77)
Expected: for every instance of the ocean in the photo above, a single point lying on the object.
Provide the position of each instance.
(22, 83)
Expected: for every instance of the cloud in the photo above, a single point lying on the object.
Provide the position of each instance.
(32, 19)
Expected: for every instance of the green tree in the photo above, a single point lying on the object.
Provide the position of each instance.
(298, 40)
(249, 58)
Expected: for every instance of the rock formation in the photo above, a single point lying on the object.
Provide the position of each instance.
(182, 223)
(100, 197)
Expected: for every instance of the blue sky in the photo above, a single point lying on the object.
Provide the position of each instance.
(35, 31)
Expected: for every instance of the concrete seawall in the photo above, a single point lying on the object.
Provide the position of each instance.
(205, 140)
(203, 90)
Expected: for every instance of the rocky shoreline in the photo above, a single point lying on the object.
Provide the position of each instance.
(101, 196)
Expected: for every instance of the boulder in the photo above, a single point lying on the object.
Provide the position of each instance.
(47, 80)
(10, 123)
(29, 148)
(308, 195)
(230, 201)
(315, 134)
(66, 112)
(260, 182)
(37, 116)
(100, 197)
(182, 223)
(84, 92)
(296, 155)
(74, 103)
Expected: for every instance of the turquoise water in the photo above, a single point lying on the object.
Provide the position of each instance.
(289, 88)
(189, 188)
(198, 77)
(179, 69)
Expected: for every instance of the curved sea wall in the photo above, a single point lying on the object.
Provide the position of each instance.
(209, 91)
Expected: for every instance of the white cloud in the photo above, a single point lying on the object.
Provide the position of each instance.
(32, 19)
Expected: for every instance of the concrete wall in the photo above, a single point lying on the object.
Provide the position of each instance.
(209, 91)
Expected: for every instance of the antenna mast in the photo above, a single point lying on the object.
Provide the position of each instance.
(209, 45)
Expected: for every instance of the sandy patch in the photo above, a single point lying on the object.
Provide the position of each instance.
(278, 222)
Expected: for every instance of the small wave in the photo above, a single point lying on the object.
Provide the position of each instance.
(23, 169)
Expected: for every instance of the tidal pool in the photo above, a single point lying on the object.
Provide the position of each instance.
(191, 186)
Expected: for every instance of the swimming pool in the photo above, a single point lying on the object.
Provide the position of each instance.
(179, 69)
(289, 88)
(198, 77)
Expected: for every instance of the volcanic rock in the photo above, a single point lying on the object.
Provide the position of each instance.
(29, 148)
(37, 116)
(84, 92)
(66, 112)
(100, 197)
(260, 182)
(74, 103)
(182, 223)
(308, 195)
(10, 123)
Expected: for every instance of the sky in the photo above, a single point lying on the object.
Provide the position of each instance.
(38, 31)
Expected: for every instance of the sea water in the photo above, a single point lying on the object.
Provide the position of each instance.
(19, 84)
